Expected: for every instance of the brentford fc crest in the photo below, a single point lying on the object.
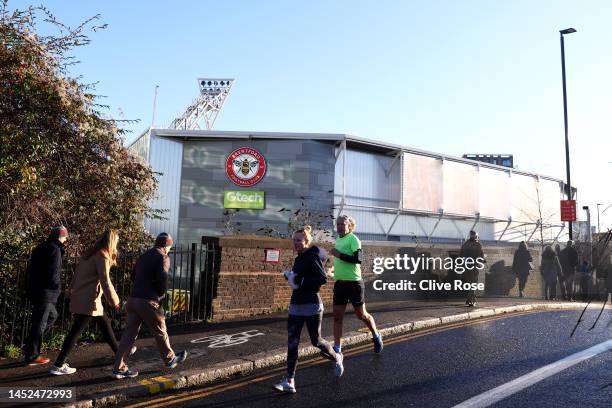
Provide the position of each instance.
(245, 166)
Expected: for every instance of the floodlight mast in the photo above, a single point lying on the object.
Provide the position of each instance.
(206, 108)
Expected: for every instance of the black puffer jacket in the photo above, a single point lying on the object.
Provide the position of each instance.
(45, 272)
(309, 275)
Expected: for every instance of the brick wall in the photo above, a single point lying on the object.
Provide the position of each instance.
(248, 286)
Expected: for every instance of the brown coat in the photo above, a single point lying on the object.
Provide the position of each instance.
(90, 280)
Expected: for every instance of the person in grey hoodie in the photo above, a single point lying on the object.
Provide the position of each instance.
(550, 267)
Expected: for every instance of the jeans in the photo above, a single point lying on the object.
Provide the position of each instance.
(294, 330)
(43, 317)
(80, 322)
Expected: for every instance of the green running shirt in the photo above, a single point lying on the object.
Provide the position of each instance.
(347, 271)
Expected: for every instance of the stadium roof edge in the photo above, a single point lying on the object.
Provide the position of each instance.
(367, 144)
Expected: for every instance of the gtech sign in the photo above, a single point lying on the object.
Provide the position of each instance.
(253, 200)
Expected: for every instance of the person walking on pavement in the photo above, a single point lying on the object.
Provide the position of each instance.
(44, 287)
(560, 275)
(306, 278)
(550, 267)
(521, 265)
(91, 279)
(569, 262)
(471, 249)
(149, 286)
(349, 286)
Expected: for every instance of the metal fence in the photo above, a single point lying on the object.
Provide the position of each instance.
(191, 285)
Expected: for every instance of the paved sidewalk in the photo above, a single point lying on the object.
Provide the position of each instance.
(219, 350)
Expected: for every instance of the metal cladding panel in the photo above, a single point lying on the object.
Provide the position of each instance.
(495, 197)
(166, 157)
(371, 179)
(140, 147)
(524, 199)
(460, 188)
(422, 183)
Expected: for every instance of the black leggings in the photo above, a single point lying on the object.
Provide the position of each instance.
(294, 329)
(80, 322)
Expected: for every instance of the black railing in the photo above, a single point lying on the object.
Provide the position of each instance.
(191, 284)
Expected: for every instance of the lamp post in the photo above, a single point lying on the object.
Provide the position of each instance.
(567, 160)
(598, 230)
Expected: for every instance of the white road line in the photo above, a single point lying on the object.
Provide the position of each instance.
(503, 391)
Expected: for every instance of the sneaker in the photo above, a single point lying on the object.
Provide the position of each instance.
(378, 343)
(133, 350)
(40, 360)
(178, 358)
(124, 374)
(339, 367)
(63, 370)
(285, 386)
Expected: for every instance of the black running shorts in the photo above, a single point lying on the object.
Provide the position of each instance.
(349, 291)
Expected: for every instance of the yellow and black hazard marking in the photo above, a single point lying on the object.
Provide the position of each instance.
(178, 300)
(156, 384)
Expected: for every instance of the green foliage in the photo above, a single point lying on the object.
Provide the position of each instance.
(61, 160)
(55, 342)
(12, 351)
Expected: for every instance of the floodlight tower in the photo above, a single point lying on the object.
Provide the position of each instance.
(213, 92)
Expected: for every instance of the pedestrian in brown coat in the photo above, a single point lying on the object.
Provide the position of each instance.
(90, 281)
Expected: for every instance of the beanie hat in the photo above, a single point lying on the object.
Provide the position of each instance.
(163, 240)
(59, 231)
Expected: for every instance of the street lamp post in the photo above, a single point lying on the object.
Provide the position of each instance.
(598, 230)
(567, 159)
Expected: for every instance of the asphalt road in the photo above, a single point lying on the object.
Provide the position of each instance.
(443, 368)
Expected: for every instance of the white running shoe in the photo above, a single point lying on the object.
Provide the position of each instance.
(285, 386)
(63, 370)
(339, 367)
(133, 350)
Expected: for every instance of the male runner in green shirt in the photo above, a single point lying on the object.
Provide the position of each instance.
(349, 287)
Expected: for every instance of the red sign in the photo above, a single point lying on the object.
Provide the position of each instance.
(568, 210)
(245, 166)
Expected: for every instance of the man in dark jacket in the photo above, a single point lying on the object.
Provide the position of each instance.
(569, 262)
(44, 287)
(149, 286)
(471, 249)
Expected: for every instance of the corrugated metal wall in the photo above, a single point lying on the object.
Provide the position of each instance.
(166, 157)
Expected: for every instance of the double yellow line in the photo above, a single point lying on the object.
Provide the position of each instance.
(201, 393)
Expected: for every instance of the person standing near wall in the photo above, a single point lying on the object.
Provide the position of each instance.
(471, 249)
(44, 287)
(149, 286)
(306, 278)
(550, 267)
(91, 279)
(349, 286)
(569, 261)
(560, 275)
(521, 265)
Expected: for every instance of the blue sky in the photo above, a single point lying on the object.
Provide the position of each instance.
(452, 76)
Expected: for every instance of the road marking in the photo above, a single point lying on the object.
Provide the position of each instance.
(503, 391)
(202, 392)
(225, 340)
